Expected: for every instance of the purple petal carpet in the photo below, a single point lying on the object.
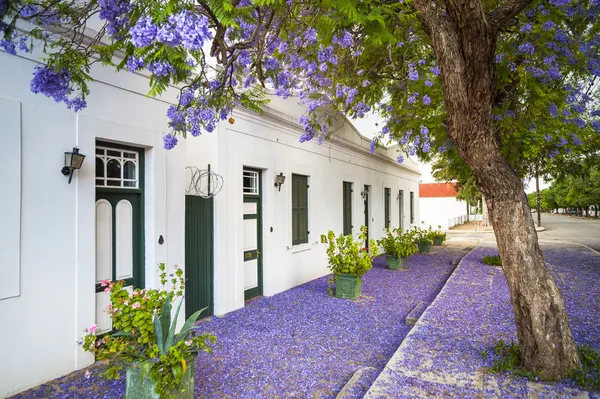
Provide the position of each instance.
(301, 343)
(442, 355)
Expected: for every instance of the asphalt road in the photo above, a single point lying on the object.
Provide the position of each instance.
(570, 229)
(559, 228)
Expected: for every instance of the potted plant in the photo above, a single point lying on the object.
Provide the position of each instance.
(421, 238)
(349, 261)
(398, 248)
(158, 362)
(437, 236)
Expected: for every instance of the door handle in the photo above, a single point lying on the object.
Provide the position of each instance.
(257, 254)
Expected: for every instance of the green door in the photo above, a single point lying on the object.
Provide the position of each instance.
(199, 255)
(347, 208)
(366, 205)
(252, 231)
(119, 221)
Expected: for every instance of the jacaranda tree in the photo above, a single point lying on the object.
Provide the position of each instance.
(463, 75)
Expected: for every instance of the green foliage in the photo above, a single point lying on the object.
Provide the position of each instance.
(398, 244)
(509, 359)
(146, 333)
(347, 255)
(492, 260)
(421, 236)
(588, 375)
(436, 234)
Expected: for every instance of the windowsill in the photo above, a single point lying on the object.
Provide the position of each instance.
(300, 248)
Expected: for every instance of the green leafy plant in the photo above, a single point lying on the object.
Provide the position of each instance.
(420, 236)
(347, 255)
(492, 260)
(509, 359)
(397, 244)
(145, 334)
(436, 234)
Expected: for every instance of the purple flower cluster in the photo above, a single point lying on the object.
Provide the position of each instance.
(116, 13)
(188, 29)
(170, 141)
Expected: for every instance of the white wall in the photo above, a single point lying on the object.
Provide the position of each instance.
(270, 142)
(443, 211)
(55, 300)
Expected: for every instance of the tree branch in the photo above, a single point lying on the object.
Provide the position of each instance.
(500, 17)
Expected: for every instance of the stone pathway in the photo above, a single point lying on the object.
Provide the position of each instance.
(301, 343)
(442, 356)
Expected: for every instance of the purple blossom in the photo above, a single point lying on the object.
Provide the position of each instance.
(526, 28)
(553, 109)
(526, 48)
(400, 158)
(272, 64)
(161, 68)
(428, 83)
(499, 58)
(144, 32)
(548, 25)
(372, 147)
(421, 62)
(413, 74)
(169, 141)
(134, 63)
(8, 46)
(435, 70)
(424, 131)
(51, 83)
(345, 39)
(553, 154)
(426, 100)
(576, 140)
(116, 14)
(548, 137)
(76, 104)
(560, 3)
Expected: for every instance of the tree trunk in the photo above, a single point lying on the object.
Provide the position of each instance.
(463, 40)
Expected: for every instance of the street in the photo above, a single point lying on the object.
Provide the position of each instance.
(558, 228)
(570, 228)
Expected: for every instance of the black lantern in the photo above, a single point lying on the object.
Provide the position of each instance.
(279, 180)
(73, 160)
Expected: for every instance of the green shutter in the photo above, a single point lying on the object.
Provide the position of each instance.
(412, 207)
(347, 207)
(388, 194)
(299, 209)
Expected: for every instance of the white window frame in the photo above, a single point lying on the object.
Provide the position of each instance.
(122, 160)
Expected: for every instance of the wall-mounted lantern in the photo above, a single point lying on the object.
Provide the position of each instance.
(279, 180)
(364, 193)
(73, 160)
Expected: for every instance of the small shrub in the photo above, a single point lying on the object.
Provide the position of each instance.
(509, 359)
(493, 260)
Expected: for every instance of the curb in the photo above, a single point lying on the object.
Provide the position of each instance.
(371, 395)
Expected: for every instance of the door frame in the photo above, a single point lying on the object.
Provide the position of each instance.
(367, 191)
(258, 254)
(139, 272)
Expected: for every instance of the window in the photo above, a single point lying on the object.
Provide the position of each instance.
(412, 207)
(386, 206)
(117, 168)
(347, 208)
(299, 209)
(250, 181)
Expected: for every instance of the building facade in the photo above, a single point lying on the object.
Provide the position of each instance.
(440, 207)
(133, 205)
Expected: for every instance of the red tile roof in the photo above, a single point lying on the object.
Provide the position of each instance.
(434, 190)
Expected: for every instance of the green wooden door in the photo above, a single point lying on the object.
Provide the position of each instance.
(401, 209)
(387, 206)
(199, 255)
(252, 231)
(366, 205)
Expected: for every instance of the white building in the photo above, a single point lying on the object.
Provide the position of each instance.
(126, 210)
(440, 207)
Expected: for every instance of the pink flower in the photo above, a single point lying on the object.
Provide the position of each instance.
(126, 303)
(188, 342)
(136, 305)
(93, 328)
(87, 374)
(107, 289)
(108, 308)
(176, 267)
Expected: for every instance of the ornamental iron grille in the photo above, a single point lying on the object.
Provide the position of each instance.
(202, 182)
(117, 168)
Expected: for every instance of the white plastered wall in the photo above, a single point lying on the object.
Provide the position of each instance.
(55, 301)
(270, 142)
(443, 211)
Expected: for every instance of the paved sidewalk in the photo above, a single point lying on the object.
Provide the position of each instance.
(442, 356)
